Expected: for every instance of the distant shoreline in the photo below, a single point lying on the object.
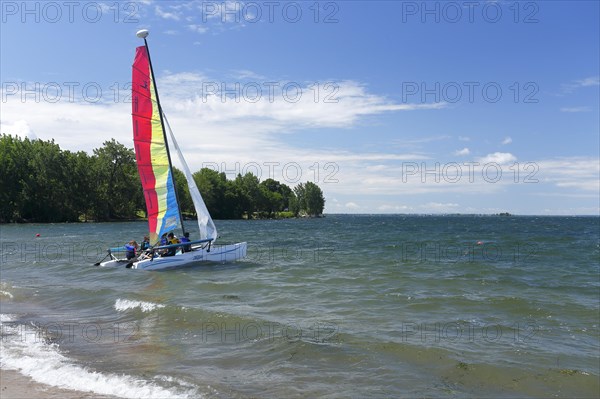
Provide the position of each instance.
(324, 216)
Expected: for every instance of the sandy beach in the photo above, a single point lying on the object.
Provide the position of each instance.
(14, 385)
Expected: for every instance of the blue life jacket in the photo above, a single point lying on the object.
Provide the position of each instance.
(129, 251)
(186, 248)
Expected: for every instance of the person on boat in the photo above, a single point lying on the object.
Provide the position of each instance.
(172, 239)
(145, 251)
(163, 241)
(184, 239)
(145, 244)
(130, 249)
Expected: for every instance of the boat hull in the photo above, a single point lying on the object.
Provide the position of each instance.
(115, 263)
(217, 254)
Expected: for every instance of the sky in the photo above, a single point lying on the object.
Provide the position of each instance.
(417, 107)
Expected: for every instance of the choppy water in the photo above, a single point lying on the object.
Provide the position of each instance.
(345, 306)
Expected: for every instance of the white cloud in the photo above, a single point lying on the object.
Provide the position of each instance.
(464, 151)
(18, 128)
(75, 126)
(438, 207)
(244, 74)
(166, 14)
(580, 173)
(282, 106)
(418, 143)
(376, 168)
(387, 208)
(226, 132)
(587, 82)
(501, 158)
(575, 109)
(197, 28)
(463, 138)
(507, 140)
(352, 206)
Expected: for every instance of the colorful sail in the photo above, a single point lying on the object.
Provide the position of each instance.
(151, 151)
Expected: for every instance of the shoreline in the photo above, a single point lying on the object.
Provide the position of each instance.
(14, 385)
(419, 215)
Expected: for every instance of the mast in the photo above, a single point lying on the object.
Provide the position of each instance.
(142, 34)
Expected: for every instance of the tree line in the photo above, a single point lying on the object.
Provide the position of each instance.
(39, 182)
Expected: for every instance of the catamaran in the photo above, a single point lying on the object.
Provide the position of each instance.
(156, 174)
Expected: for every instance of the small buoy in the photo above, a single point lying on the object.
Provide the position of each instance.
(38, 234)
(479, 242)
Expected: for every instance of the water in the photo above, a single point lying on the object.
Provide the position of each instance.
(345, 306)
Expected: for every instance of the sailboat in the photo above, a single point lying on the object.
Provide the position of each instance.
(153, 156)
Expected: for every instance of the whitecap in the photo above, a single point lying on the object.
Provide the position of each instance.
(122, 305)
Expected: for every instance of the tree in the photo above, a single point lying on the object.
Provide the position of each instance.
(14, 158)
(314, 200)
(248, 193)
(119, 189)
(39, 182)
(276, 196)
(45, 195)
(186, 205)
(309, 199)
(212, 186)
(82, 187)
(294, 206)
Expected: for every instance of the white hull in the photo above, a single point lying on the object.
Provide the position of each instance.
(217, 254)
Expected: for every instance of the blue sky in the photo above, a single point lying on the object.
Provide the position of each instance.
(391, 107)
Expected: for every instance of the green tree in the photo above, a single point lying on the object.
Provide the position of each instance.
(276, 196)
(287, 195)
(250, 196)
(14, 159)
(212, 186)
(82, 188)
(314, 200)
(294, 206)
(186, 205)
(299, 204)
(119, 194)
(42, 183)
(45, 192)
(309, 199)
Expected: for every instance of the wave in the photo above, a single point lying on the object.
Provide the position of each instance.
(7, 294)
(45, 363)
(122, 305)
(5, 290)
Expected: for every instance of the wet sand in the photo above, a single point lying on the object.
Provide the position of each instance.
(14, 385)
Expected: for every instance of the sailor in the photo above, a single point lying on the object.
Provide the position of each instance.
(184, 239)
(163, 239)
(130, 249)
(145, 244)
(172, 239)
